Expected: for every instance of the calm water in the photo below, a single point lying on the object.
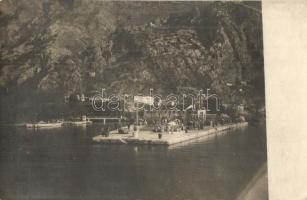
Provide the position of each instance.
(64, 164)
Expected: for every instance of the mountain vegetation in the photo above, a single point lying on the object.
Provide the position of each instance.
(53, 49)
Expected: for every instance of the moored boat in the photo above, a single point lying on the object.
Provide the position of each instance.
(42, 124)
(81, 122)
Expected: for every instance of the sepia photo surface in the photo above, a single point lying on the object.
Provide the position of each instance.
(132, 100)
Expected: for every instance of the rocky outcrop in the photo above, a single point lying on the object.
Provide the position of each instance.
(66, 47)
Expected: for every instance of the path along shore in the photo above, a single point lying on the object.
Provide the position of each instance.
(151, 138)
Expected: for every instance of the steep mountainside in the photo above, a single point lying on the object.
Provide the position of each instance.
(59, 48)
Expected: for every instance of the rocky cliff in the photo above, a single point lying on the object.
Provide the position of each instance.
(59, 48)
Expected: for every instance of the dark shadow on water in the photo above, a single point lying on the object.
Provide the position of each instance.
(64, 164)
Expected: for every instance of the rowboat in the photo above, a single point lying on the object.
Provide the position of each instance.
(44, 125)
(83, 122)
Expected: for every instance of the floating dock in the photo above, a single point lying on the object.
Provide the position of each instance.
(151, 138)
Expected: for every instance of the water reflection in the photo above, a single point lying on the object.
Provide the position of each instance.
(65, 164)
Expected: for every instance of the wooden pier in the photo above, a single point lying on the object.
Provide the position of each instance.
(151, 138)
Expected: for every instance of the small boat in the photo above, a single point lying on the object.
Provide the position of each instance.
(83, 122)
(42, 124)
(78, 122)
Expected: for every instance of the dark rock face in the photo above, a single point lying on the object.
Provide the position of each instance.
(66, 47)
